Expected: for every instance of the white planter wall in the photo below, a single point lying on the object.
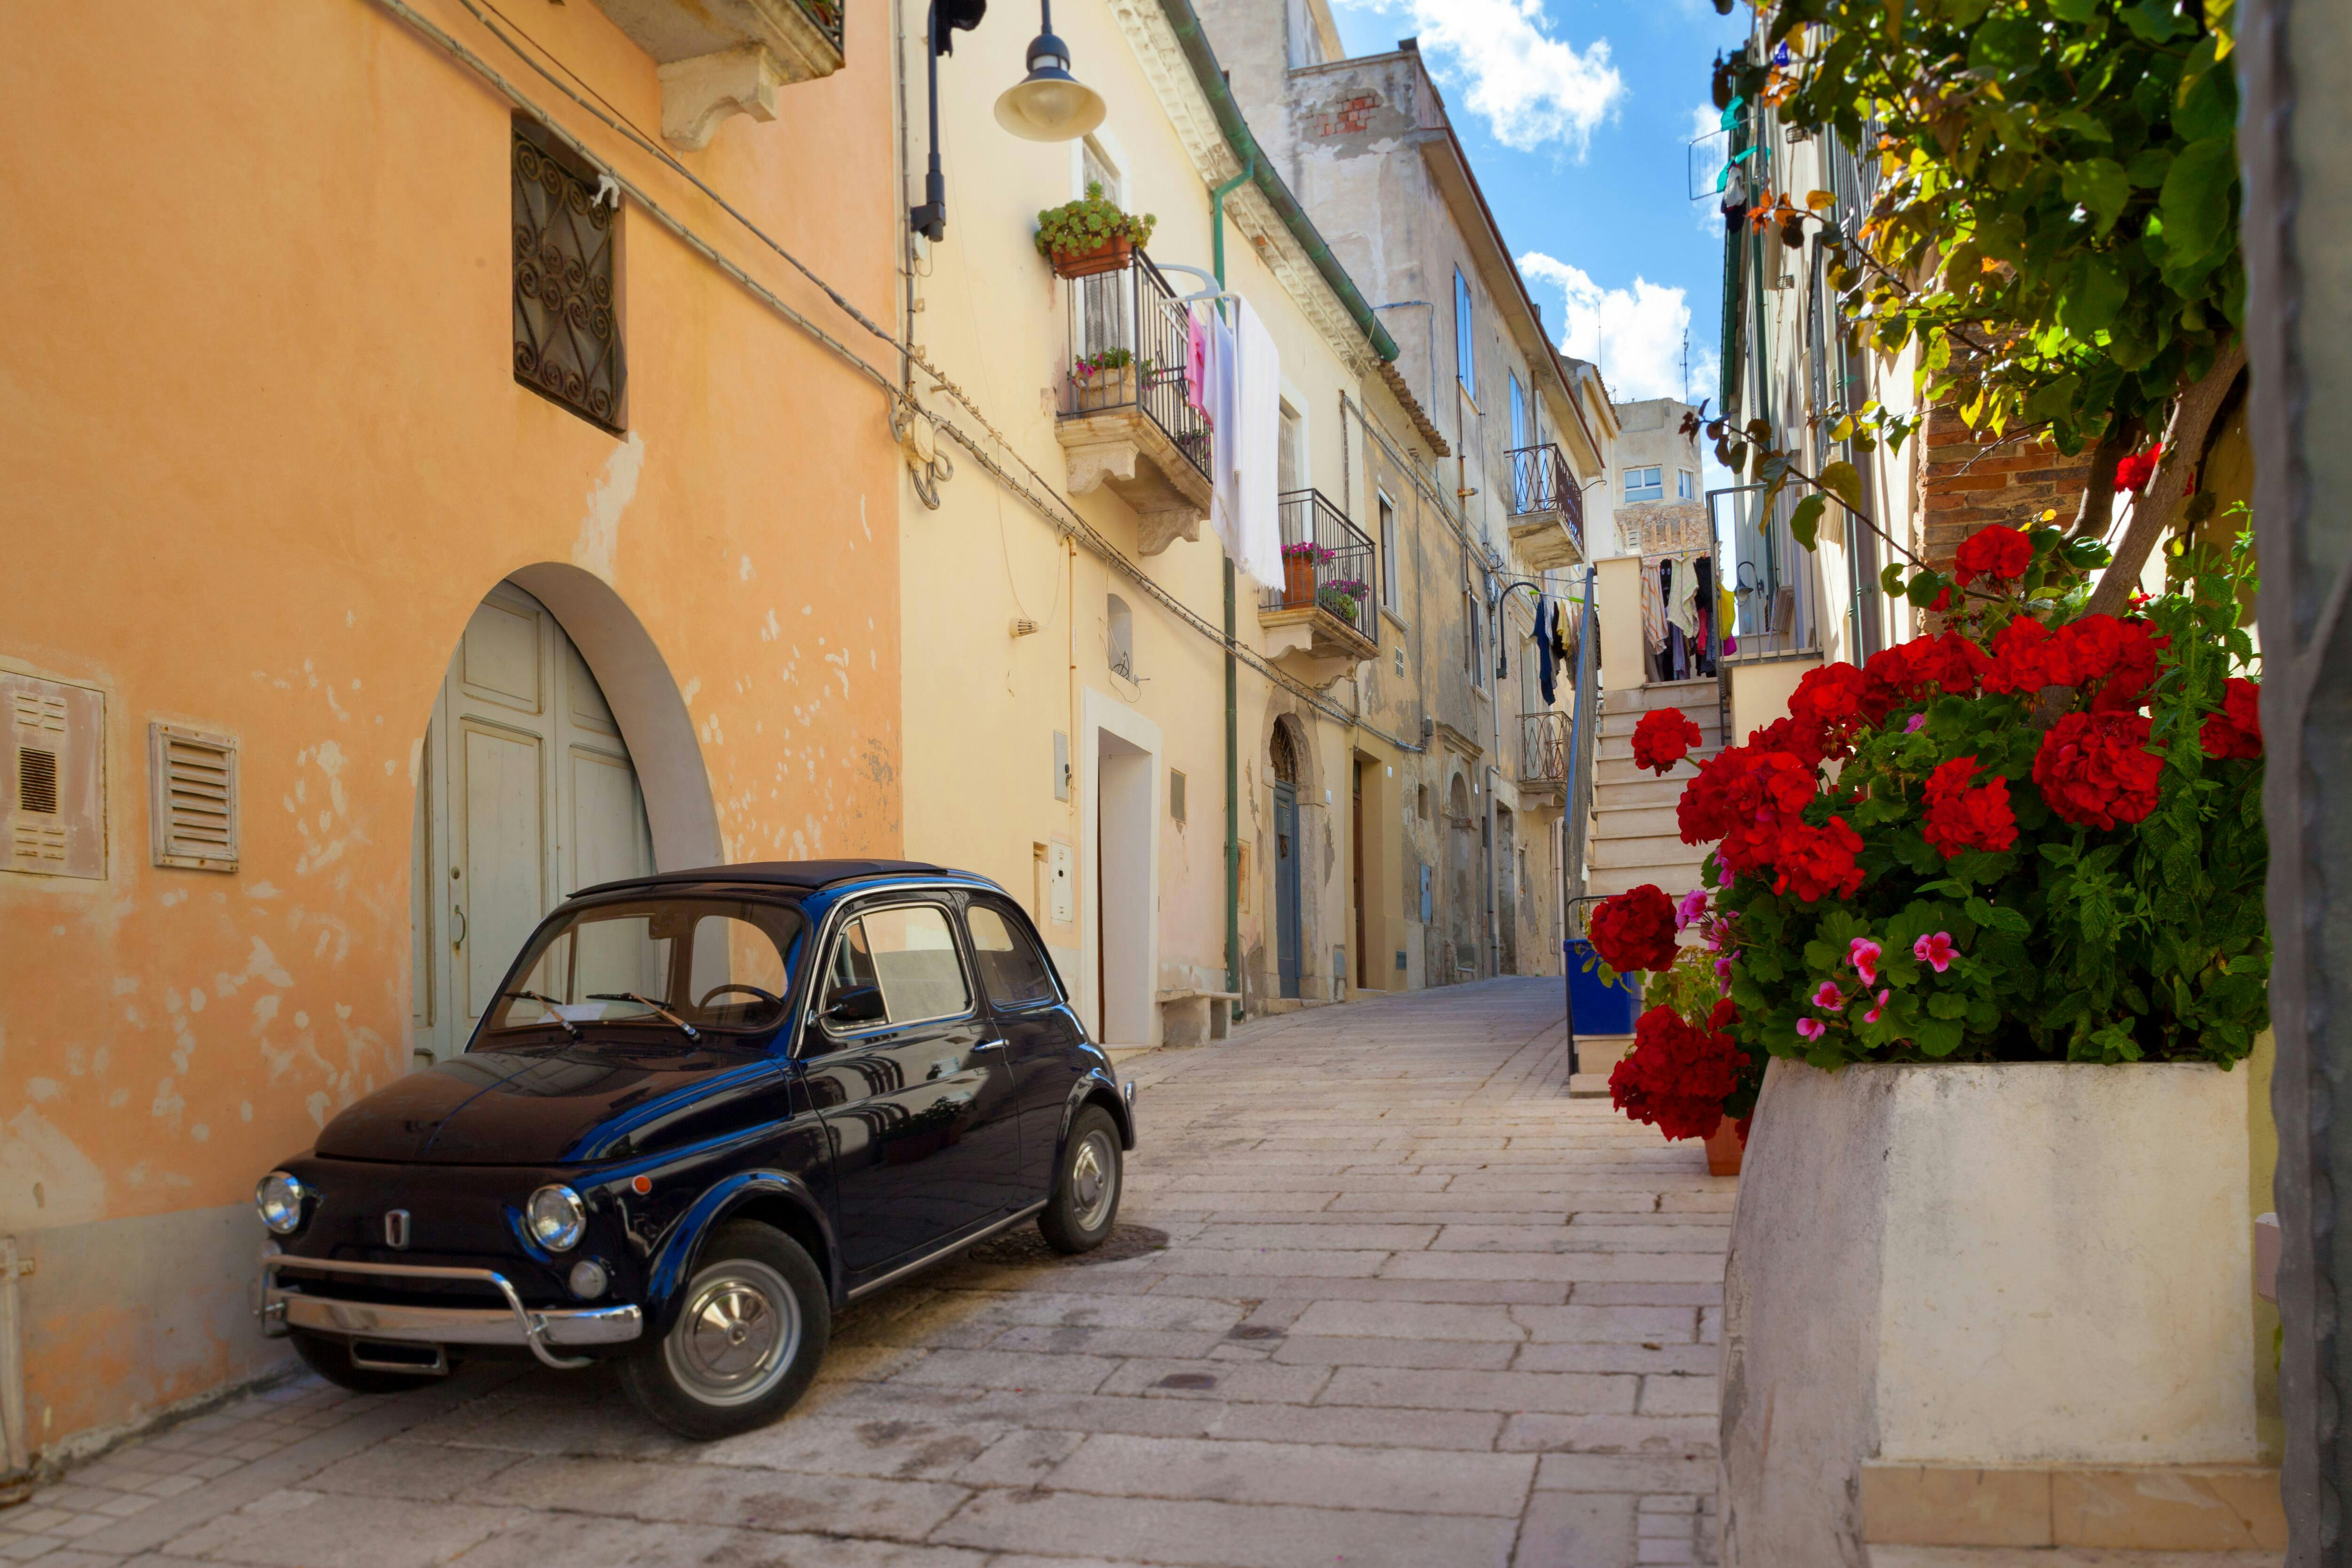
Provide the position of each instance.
(2029, 1263)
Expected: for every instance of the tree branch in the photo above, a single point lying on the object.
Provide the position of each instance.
(2159, 505)
(2098, 508)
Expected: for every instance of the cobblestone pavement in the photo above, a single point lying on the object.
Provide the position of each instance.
(1415, 1307)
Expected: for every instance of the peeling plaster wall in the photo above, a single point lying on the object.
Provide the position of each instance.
(269, 456)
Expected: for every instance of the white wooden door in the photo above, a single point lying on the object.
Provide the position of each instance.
(527, 795)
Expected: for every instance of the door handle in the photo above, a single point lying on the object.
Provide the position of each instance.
(988, 1046)
(457, 914)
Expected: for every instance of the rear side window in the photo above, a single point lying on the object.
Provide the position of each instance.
(908, 957)
(1009, 966)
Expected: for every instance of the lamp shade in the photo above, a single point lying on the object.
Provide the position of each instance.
(1049, 104)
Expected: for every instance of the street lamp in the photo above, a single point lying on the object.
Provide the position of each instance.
(1049, 104)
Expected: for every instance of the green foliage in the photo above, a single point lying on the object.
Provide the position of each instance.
(2057, 224)
(2145, 943)
(1088, 224)
(1690, 987)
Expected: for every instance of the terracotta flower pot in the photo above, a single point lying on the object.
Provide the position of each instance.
(1110, 256)
(1724, 1148)
(1297, 581)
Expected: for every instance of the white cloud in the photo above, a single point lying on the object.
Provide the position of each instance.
(1530, 86)
(1635, 335)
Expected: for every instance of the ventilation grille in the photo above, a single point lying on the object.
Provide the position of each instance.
(52, 778)
(36, 781)
(194, 798)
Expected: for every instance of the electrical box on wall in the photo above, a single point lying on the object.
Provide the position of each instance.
(1062, 866)
(52, 778)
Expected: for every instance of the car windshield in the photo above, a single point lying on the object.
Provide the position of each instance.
(705, 962)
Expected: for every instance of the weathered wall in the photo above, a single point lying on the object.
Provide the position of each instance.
(268, 455)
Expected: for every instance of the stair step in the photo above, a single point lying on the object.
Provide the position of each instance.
(1637, 793)
(1663, 851)
(1623, 770)
(1687, 695)
(1611, 822)
(1606, 881)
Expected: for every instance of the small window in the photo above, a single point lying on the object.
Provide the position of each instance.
(567, 330)
(1686, 484)
(1466, 350)
(1470, 633)
(1096, 168)
(1290, 458)
(1388, 561)
(1423, 796)
(1175, 795)
(1645, 484)
(1120, 627)
(896, 966)
(1010, 969)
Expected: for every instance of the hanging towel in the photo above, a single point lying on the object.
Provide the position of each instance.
(1654, 613)
(1221, 381)
(1258, 443)
(1682, 605)
(1196, 368)
(1543, 647)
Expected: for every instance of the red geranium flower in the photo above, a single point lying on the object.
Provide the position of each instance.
(2236, 730)
(1635, 929)
(1999, 552)
(1678, 1075)
(2134, 472)
(1832, 703)
(2095, 769)
(2020, 657)
(1818, 862)
(1960, 817)
(1663, 738)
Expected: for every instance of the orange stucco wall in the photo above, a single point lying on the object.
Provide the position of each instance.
(265, 454)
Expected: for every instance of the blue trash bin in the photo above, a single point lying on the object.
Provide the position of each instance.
(1600, 1009)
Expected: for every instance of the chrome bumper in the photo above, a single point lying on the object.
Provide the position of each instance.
(282, 1310)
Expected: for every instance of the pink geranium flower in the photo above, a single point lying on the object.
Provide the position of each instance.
(1935, 952)
(1811, 1028)
(1829, 998)
(1863, 953)
(1917, 721)
(1871, 1017)
(1693, 906)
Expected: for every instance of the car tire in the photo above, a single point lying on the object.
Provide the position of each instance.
(1087, 1183)
(332, 1359)
(752, 1323)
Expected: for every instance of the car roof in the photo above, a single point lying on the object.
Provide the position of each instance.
(803, 876)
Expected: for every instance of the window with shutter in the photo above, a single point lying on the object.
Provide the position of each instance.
(567, 328)
(191, 811)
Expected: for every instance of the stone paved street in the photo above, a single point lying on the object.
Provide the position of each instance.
(1415, 1307)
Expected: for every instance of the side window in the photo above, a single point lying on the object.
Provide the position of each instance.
(915, 960)
(1010, 968)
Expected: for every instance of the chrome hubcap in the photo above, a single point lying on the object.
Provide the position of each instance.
(738, 1334)
(1094, 1180)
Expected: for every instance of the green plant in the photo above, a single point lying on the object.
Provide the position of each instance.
(1086, 225)
(1690, 986)
(1088, 366)
(2056, 226)
(1338, 602)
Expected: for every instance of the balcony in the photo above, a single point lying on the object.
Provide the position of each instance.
(723, 58)
(1543, 761)
(1126, 418)
(1320, 621)
(1547, 508)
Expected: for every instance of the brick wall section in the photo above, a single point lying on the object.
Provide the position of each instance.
(1966, 486)
(1348, 116)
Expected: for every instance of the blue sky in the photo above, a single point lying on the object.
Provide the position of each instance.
(1578, 116)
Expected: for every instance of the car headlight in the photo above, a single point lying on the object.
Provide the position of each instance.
(278, 1198)
(557, 1218)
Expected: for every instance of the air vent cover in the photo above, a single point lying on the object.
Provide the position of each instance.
(192, 798)
(52, 778)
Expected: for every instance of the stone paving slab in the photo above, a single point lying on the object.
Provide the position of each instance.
(1416, 1307)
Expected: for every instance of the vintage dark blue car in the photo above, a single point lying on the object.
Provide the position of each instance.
(706, 1111)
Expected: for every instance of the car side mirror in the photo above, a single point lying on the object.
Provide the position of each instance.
(856, 1005)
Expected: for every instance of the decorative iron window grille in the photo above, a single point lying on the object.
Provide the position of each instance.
(826, 15)
(567, 336)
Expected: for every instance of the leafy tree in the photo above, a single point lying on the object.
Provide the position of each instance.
(2057, 225)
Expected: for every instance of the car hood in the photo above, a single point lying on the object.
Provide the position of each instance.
(535, 1105)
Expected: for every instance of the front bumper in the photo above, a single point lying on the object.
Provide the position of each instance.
(282, 1310)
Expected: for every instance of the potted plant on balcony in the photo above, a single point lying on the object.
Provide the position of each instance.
(1104, 379)
(1991, 907)
(1344, 597)
(1299, 564)
(1091, 234)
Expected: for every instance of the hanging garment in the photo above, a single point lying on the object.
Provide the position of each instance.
(1544, 609)
(1710, 633)
(1564, 630)
(1682, 601)
(1196, 368)
(1257, 468)
(1654, 615)
(1730, 622)
(1221, 377)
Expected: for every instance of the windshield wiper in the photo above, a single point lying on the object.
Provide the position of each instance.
(550, 1004)
(692, 1033)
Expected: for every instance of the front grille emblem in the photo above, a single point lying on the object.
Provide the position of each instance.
(395, 1230)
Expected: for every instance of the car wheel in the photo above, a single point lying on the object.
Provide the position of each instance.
(750, 1331)
(332, 1359)
(1085, 1203)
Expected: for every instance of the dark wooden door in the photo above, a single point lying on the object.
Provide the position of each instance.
(1356, 827)
(1285, 887)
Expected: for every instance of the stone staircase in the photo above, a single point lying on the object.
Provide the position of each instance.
(1634, 836)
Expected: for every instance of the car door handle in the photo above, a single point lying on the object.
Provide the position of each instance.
(988, 1046)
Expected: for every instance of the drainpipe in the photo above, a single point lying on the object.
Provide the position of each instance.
(1233, 682)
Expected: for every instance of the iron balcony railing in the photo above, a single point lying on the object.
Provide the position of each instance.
(1543, 748)
(826, 15)
(1128, 335)
(1541, 481)
(1328, 563)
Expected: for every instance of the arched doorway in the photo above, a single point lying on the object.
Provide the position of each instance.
(527, 793)
(1283, 751)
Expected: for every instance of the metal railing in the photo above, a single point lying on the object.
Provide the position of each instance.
(826, 15)
(1129, 337)
(1328, 563)
(1541, 481)
(1543, 748)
